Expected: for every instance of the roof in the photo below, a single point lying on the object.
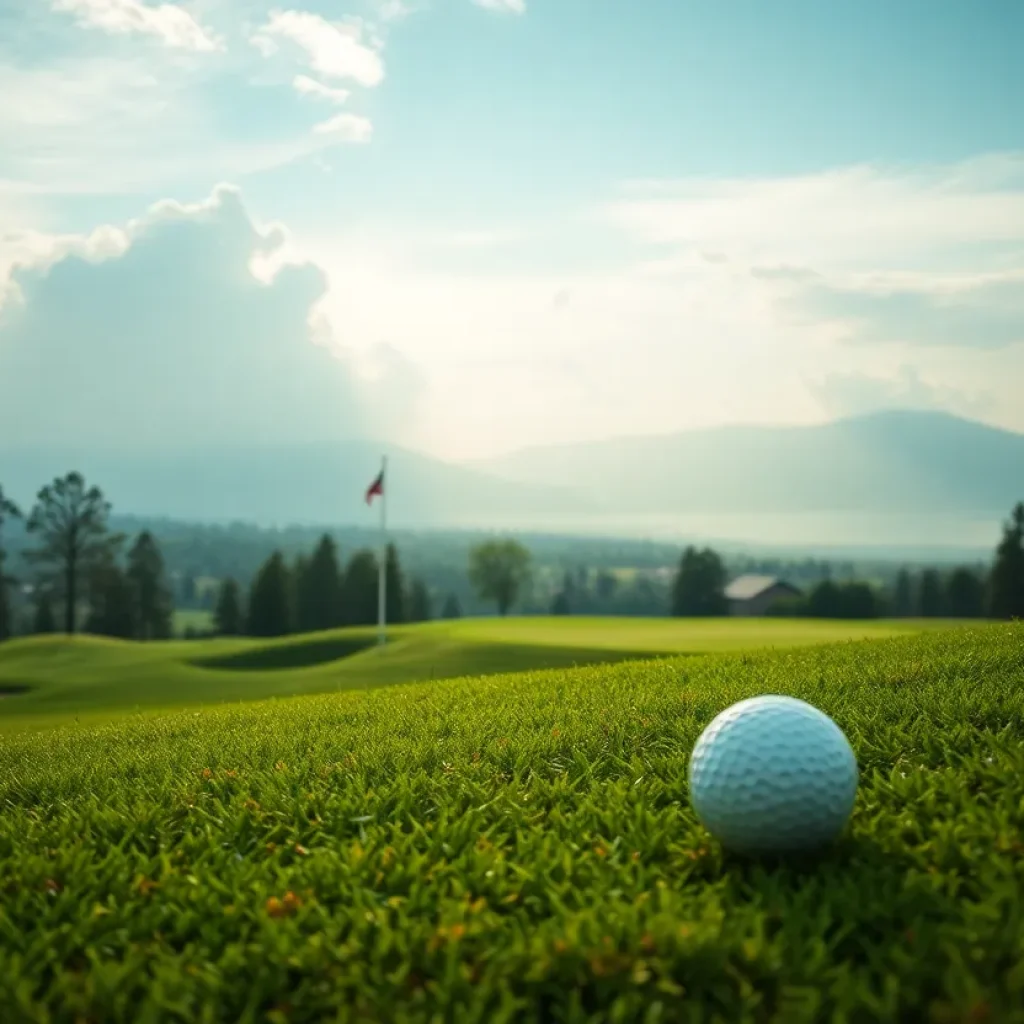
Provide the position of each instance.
(746, 588)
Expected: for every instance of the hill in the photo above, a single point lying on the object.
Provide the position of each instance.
(49, 676)
(909, 463)
(522, 848)
(278, 485)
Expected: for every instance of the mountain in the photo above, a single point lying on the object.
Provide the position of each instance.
(901, 462)
(310, 484)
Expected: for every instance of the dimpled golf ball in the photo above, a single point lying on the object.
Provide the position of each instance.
(773, 775)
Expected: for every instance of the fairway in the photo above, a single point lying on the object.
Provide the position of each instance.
(520, 847)
(45, 678)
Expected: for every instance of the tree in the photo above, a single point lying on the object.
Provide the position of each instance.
(498, 570)
(8, 510)
(394, 588)
(451, 608)
(699, 587)
(227, 616)
(965, 594)
(824, 600)
(112, 600)
(270, 611)
(153, 604)
(319, 599)
(43, 619)
(606, 585)
(560, 604)
(418, 604)
(359, 589)
(930, 596)
(71, 523)
(1006, 581)
(903, 596)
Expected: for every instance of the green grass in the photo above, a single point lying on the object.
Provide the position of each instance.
(91, 677)
(521, 847)
(198, 619)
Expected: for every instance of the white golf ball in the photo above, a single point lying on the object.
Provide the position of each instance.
(773, 774)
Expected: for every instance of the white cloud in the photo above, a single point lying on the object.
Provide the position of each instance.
(346, 128)
(168, 22)
(335, 50)
(171, 298)
(101, 127)
(393, 10)
(306, 86)
(864, 216)
(503, 6)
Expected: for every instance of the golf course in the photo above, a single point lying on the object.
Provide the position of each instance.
(48, 679)
(489, 821)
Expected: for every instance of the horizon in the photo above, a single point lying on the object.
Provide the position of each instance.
(470, 228)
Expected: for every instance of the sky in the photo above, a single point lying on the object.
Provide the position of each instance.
(470, 226)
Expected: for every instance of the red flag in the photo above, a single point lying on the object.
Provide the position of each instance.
(377, 487)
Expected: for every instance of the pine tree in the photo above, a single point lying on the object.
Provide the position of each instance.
(71, 522)
(903, 598)
(359, 589)
(227, 616)
(699, 587)
(153, 603)
(1006, 582)
(112, 601)
(451, 609)
(930, 596)
(8, 510)
(270, 606)
(418, 603)
(43, 619)
(319, 590)
(965, 594)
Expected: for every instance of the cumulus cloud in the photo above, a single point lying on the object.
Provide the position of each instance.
(855, 394)
(503, 6)
(346, 128)
(168, 22)
(335, 50)
(159, 335)
(306, 86)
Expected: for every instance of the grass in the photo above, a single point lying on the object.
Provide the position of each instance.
(199, 619)
(521, 847)
(92, 677)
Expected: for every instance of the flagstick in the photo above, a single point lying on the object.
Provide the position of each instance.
(382, 568)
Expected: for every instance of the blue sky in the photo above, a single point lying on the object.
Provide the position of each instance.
(524, 220)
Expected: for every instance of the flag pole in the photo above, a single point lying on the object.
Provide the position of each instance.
(382, 568)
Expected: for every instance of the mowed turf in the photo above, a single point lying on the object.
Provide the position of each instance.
(90, 677)
(521, 847)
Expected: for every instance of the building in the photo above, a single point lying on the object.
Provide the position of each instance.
(754, 595)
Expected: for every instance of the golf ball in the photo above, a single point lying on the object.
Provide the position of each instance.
(773, 774)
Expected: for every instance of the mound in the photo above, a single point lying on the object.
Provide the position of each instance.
(301, 653)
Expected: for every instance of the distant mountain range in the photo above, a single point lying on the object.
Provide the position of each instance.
(312, 484)
(924, 463)
(923, 468)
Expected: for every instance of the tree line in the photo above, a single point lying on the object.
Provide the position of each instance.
(317, 592)
(962, 592)
(86, 574)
